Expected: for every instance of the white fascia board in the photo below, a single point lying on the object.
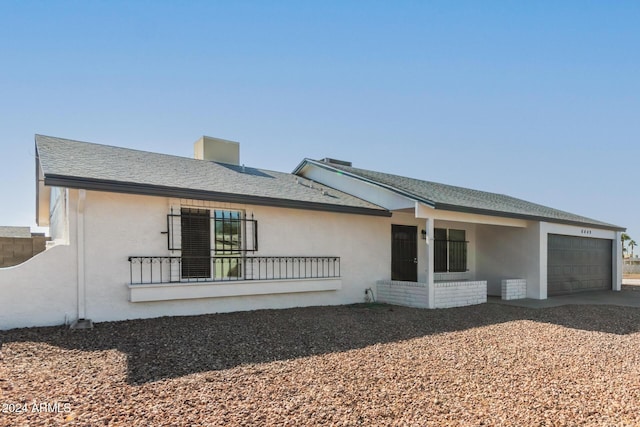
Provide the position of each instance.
(426, 211)
(43, 198)
(370, 192)
(180, 291)
(578, 231)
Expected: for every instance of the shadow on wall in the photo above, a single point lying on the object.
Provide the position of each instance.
(171, 347)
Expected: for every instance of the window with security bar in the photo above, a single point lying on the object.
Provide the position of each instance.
(213, 243)
(196, 243)
(228, 244)
(450, 250)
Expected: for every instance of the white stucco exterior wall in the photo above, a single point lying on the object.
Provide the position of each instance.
(45, 290)
(118, 226)
(503, 253)
(59, 215)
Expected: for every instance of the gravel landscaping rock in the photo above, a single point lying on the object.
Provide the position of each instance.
(351, 365)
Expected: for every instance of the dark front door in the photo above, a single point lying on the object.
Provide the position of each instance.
(404, 253)
(196, 243)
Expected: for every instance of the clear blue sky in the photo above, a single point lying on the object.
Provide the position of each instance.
(539, 100)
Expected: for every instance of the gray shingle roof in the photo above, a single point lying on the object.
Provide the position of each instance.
(76, 164)
(449, 197)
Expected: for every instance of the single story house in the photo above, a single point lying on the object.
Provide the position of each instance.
(139, 234)
(476, 236)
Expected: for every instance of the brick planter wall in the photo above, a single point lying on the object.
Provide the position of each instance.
(514, 289)
(408, 294)
(444, 294)
(460, 294)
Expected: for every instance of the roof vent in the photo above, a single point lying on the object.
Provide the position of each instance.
(217, 150)
(336, 162)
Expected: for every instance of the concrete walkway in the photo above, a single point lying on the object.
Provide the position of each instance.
(624, 298)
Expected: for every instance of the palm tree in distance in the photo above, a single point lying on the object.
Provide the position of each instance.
(632, 244)
(624, 237)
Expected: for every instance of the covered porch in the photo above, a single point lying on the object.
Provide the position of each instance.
(460, 258)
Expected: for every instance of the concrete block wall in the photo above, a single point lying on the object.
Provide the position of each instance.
(514, 289)
(408, 294)
(460, 294)
(16, 250)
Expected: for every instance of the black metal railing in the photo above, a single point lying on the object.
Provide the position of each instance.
(450, 256)
(171, 269)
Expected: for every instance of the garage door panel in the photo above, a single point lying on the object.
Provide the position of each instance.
(576, 264)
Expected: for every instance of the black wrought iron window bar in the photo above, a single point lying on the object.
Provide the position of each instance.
(171, 269)
(233, 232)
(450, 256)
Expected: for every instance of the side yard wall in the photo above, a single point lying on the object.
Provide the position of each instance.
(40, 291)
(43, 290)
(630, 267)
(16, 250)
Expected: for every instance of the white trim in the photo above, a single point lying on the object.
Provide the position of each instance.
(577, 231)
(370, 191)
(178, 291)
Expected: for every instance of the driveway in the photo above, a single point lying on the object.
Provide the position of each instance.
(626, 298)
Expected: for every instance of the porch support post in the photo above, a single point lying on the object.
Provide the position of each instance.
(430, 252)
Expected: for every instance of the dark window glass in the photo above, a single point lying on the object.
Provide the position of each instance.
(228, 244)
(440, 250)
(196, 243)
(449, 250)
(228, 226)
(457, 251)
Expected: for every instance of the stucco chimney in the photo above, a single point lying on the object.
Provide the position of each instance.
(217, 150)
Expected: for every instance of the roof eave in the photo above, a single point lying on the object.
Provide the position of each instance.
(465, 209)
(187, 193)
(457, 208)
(300, 166)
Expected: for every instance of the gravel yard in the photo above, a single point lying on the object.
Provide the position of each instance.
(351, 365)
